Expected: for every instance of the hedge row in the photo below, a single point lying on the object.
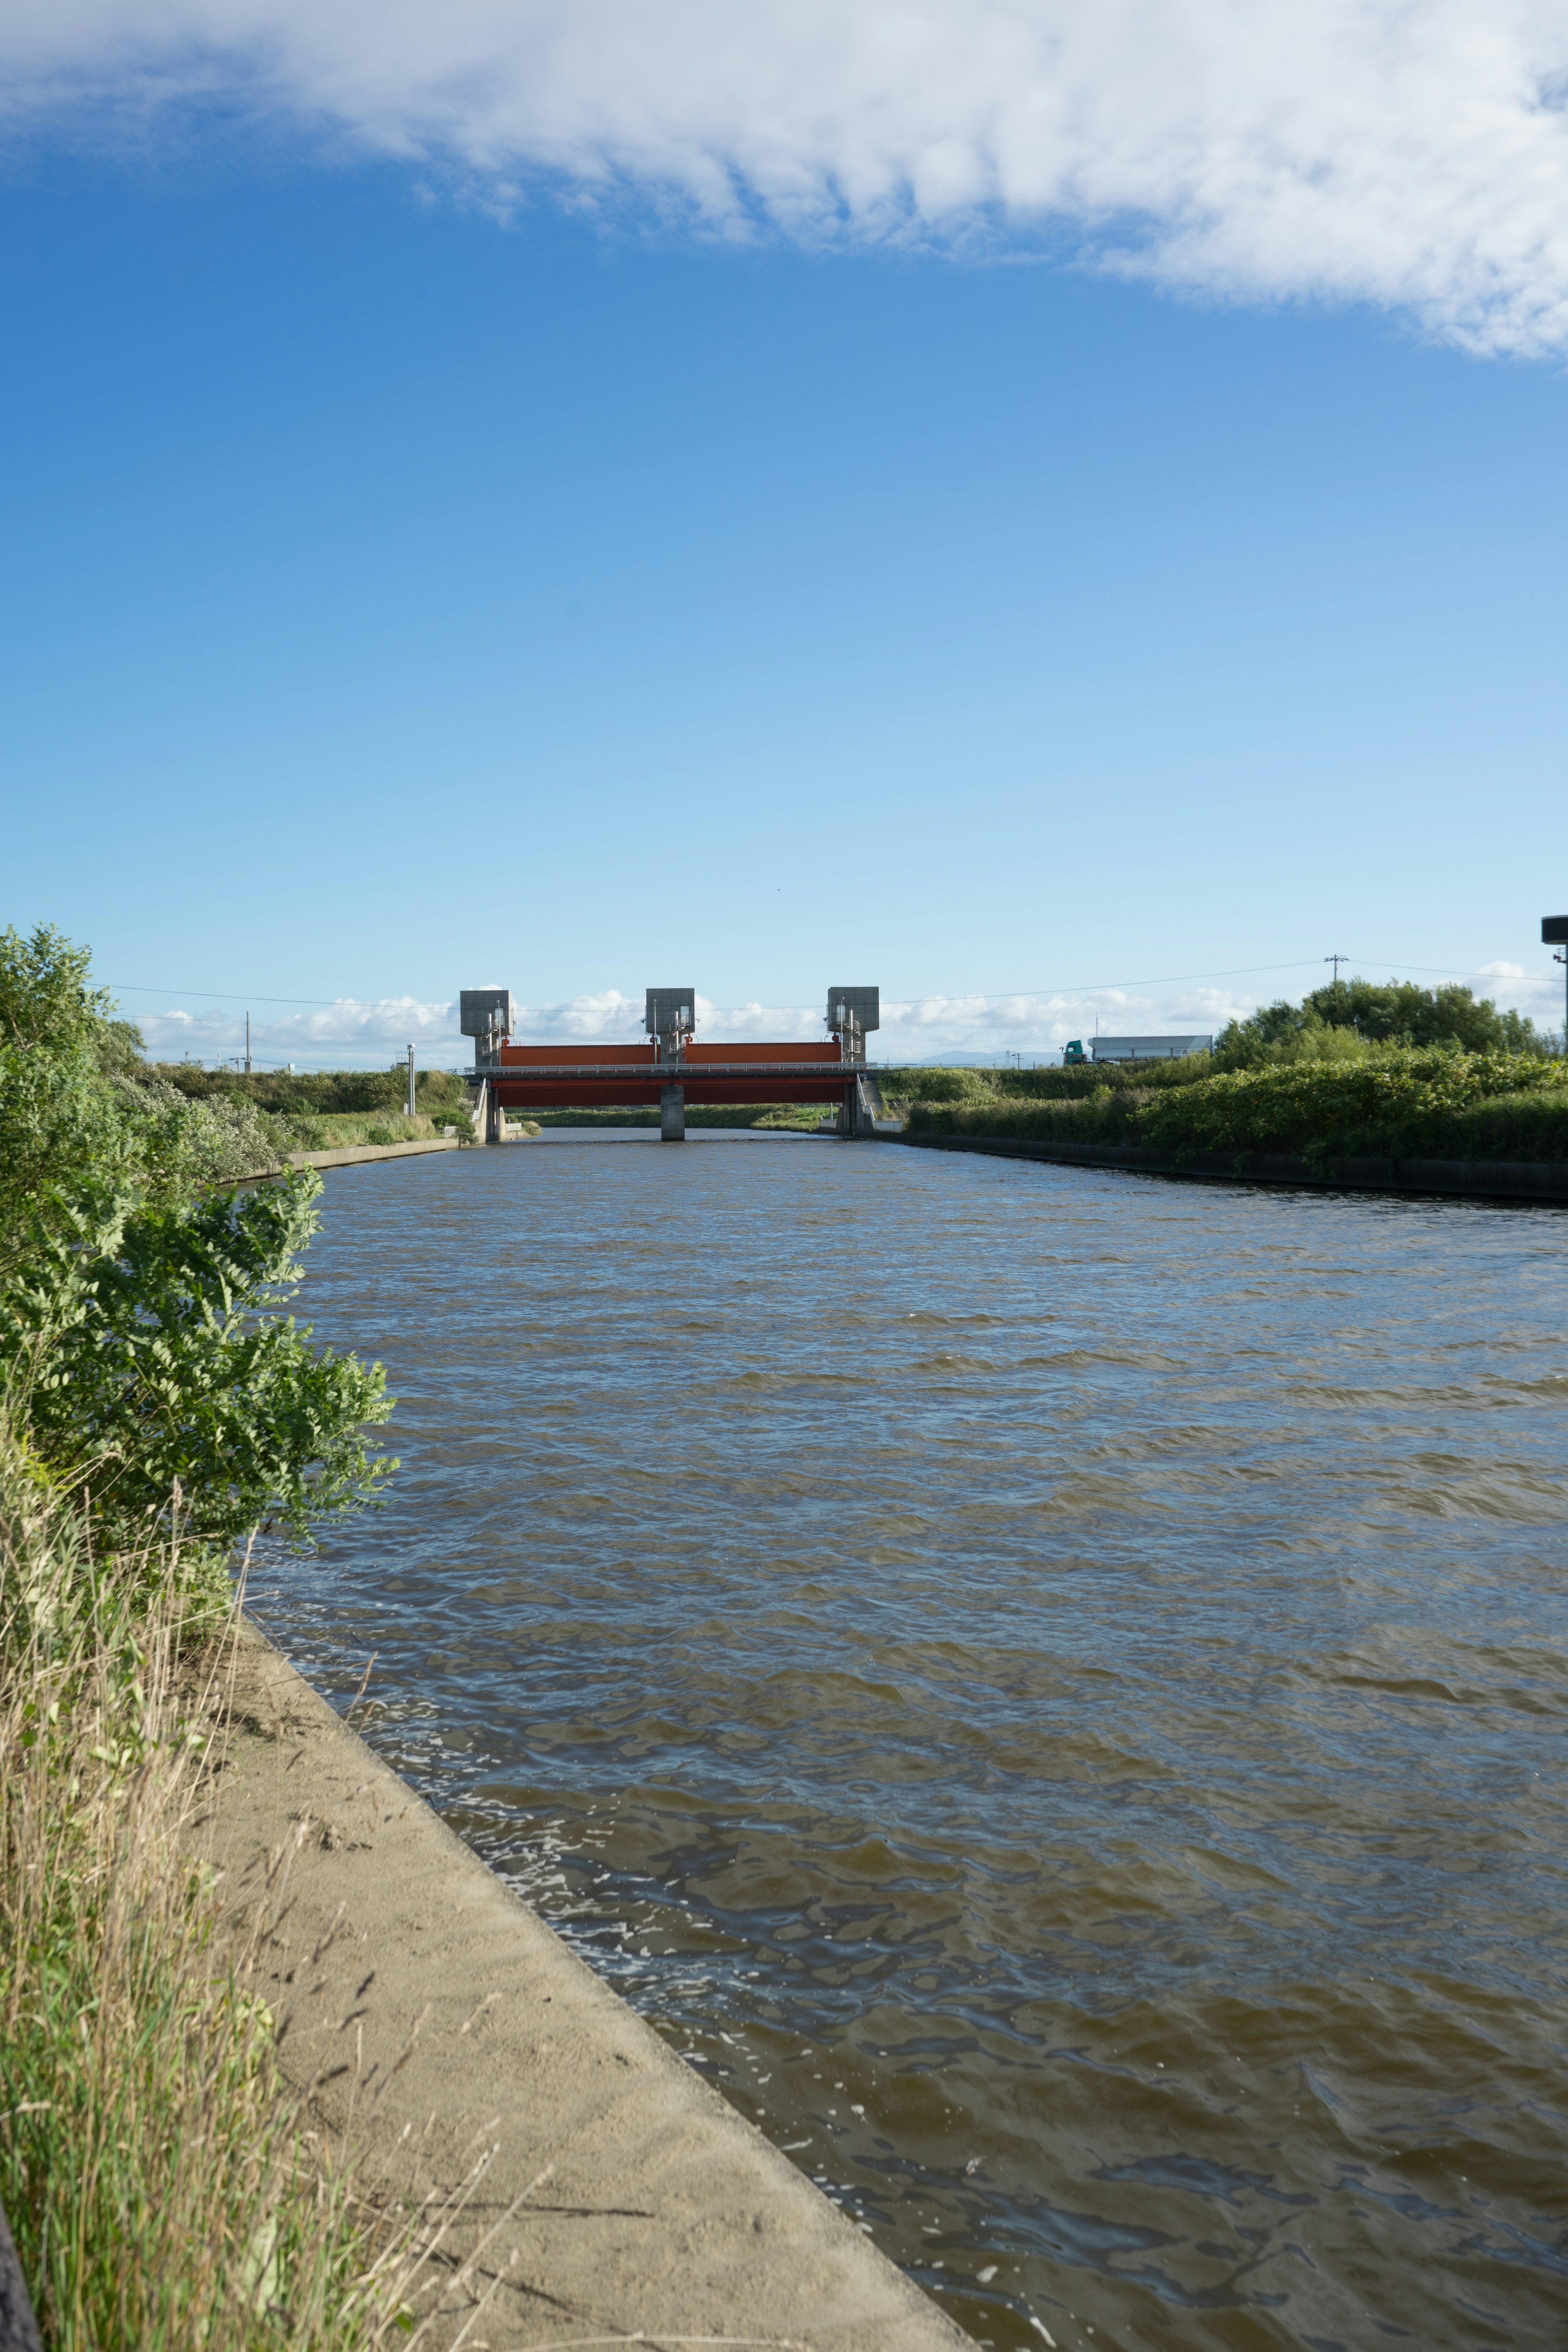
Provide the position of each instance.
(1416, 1105)
(321, 1091)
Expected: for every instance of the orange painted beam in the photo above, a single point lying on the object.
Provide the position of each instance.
(605, 1077)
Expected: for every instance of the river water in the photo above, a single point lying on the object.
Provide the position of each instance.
(1047, 1685)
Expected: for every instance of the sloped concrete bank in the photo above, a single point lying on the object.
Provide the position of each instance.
(444, 2025)
(1505, 1180)
(351, 1154)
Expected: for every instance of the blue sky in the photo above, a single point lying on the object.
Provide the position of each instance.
(407, 588)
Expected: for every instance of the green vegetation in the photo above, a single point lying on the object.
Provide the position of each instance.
(967, 1088)
(141, 1333)
(806, 1116)
(316, 1111)
(1355, 1070)
(1401, 1103)
(345, 1131)
(319, 1093)
(165, 2192)
(157, 1403)
(1345, 1018)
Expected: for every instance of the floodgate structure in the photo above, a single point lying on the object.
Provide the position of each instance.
(672, 1070)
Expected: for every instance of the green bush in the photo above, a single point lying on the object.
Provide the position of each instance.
(293, 1093)
(157, 1405)
(148, 1349)
(1346, 1016)
(143, 1334)
(1387, 1101)
(1105, 1115)
(962, 1089)
(1398, 1101)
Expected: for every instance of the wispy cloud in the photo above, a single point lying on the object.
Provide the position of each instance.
(1360, 150)
(348, 1035)
(351, 1035)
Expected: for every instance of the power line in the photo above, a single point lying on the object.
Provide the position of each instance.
(1100, 987)
(228, 995)
(968, 995)
(963, 996)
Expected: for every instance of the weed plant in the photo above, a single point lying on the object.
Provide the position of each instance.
(166, 2191)
(162, 2189)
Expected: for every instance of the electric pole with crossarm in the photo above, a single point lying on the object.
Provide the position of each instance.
(1554, 934)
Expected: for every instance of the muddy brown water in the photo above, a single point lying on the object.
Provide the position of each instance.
(1047, 1685)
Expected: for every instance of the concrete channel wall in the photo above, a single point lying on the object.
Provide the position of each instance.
(1488, 1180)
(444, 2027)
(352, 1154)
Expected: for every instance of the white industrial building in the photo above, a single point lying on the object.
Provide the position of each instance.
(1149, 1049)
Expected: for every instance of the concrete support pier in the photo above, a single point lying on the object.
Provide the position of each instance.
(672, 1115)
(856, 1117)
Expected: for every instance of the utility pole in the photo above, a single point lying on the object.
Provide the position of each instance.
(410, 1082)
(248, 1045)
(1554, 934)
(1336, 960)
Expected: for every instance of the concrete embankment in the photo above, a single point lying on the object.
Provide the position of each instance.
(1476, 1178)
(440, 2019)
(351, 1154)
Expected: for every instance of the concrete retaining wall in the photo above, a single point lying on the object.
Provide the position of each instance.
(625, 2199)
(1492, 1180)
(352, 1153)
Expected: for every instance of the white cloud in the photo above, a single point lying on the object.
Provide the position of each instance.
(348, 1035)
(355, 1034)
(1364, 150)
(352, 1035)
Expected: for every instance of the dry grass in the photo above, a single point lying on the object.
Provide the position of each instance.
(166, 2189)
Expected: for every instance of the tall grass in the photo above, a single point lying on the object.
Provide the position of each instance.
(1394, 1101)
(338, 1131)
(966, 1087)
(166, 2190)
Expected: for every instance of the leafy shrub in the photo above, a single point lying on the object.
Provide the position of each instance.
(1105, 1115)
(220, 1139)
(163, 2189)
(967, 1088)
(1387, 1101)
(1527, 1126)
(147, 1346)
(142, 1331)
(291, 1093)
(1397, 1101)
(57, 1112)
(1391, 1013)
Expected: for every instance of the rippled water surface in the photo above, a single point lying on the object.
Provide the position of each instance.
(1049, 1685)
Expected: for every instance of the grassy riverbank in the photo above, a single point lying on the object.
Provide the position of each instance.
(350, 1129)
(1398, 1101)
(165, 2191)
(157, 1405)
(804, 1116)
(1383, 1069)
(316, 1111)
